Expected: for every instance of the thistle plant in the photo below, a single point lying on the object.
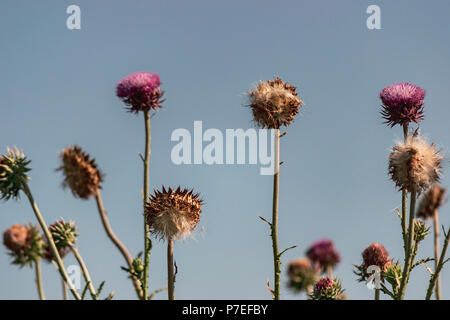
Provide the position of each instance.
(328, 289)
(274, 104)
(13, 172)
(83, 177)
(302, 274)
(141, 92)
(172, 214)
(25, 246)
(324, 254)
(428, 209)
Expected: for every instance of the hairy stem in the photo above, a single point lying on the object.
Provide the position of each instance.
(85, 272)
(147, 241)
(436, 253)
(37, 269)
(435, 276)
(405, 203)
(119, 245)
(51, 243)
(274, 225)
(170, 271)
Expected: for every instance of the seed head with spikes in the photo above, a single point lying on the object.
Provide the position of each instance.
(13, 173)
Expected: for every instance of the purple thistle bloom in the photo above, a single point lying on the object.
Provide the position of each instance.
(324, 253)
(323, 284)
(140, 91)
(402, 103)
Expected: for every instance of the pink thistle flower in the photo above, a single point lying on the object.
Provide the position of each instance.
(402, 103)
(141, 91)
(376, 255)
(324, 253)
(323, 284)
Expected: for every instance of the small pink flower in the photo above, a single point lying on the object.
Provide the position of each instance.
(377, 255)
(324, 253)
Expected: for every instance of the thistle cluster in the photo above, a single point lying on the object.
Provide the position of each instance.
(274, 103)
(327, 289)
(24, 243)
(173, 212)
(13, 173)
(431, 201)
(324, 253)
(302, 274)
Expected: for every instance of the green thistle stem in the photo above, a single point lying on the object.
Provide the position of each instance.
(436, 253)
(377, 294)
(442, 260)
(64, 290)
(170, 271)
(51, 243)
(274, 225)
(85, 272)
(119, 245)
(405, 203)
(37, 269)
(147, 241)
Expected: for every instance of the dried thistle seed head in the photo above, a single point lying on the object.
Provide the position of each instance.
(328, 289)
(415, 165)
(376, 255)
(274, 103)
(13, 173)
(24, 243)
(324, 254)
(80, 172)
(402, 104)
(302, 274)
(431, 201)
(173, 213)
(141, 91)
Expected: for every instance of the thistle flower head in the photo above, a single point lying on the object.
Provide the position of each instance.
(274, 103)
(48, 254)
(431, 201)
(376, 255)
(140, 91)
(415, 165)
(80, 172)
(64, 233)
(24, 243)
(402, 103)
(421, 230)
(302, 274)
(173, 213)
(324, 253)
(327, 289)
(13, 173)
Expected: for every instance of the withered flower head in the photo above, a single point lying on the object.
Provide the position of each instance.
(173, 213)
(80, 172)
(274, 103)
(376, 255)
(302, 274)
(431, 201)
(24, 243)
(13, 173)
(141, 91)
(415, 165)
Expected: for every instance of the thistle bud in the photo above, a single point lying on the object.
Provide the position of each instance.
(64, 233)
(324, 254)
(327, 289)
(421, 230)
(24, 243)
(13, 173)
(80, 172)
(173, 213)
(431, 201)
(302, 274)
(274, 103)
(140, 91)
(415, 165)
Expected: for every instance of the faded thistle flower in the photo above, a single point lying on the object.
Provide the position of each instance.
(431, 201)
(80, 172)
(173, 213)
(302, 274)
(324, 254)
(274, 103)
(328, 289)
(13, 173)
(402, 104)
(24, 243)
(415, 165)
(140, 91)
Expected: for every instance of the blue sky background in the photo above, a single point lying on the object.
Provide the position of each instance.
(58, 89)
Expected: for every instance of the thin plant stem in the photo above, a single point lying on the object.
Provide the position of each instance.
(405, 203)
(51, 243)
(64, 290)
(170, 271)
(329, 272)
(119, 245)
(442, 260)
(147, 241)
(410, 246)
(436, 253)
(377, 294)
(37, 269)
(85, 272)
(274, 225)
